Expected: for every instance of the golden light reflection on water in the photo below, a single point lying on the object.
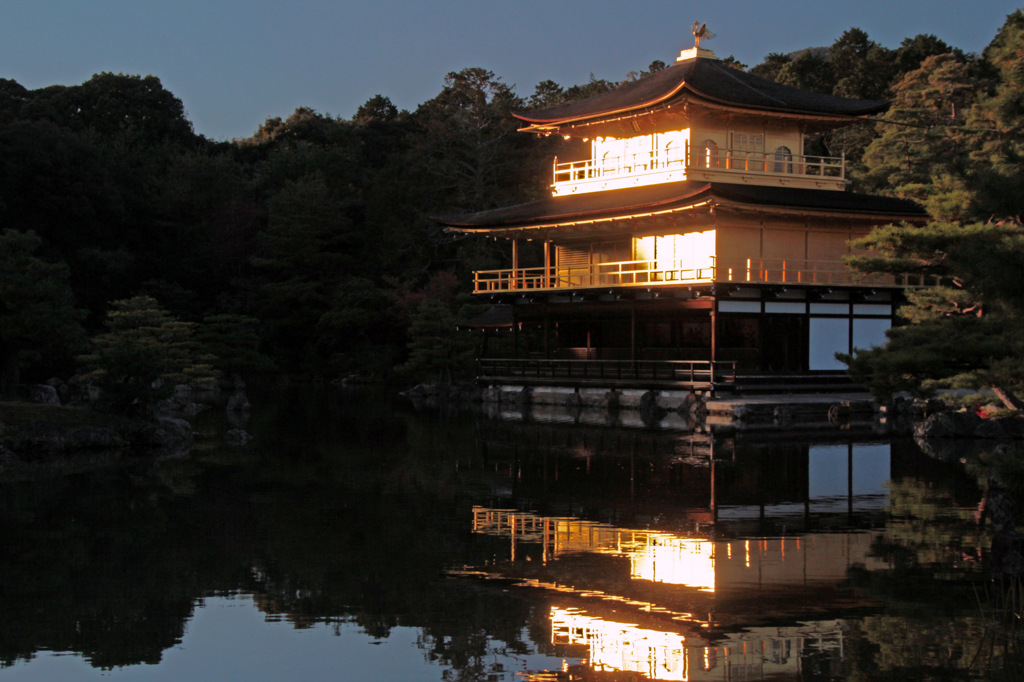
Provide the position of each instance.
(700, 563)
(757, 653)
(623, 647)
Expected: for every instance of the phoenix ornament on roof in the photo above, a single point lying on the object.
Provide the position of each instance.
(701, 31)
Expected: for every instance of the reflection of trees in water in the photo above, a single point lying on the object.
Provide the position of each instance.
(346, 510)
(943, 614)
(101, 564)
(338, 512)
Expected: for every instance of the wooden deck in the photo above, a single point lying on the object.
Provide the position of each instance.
(718, 377)
(666, 374)
(669, 273)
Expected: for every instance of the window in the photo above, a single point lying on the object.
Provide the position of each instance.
(673, 153)
(783, 161)
(707, 155)
(747, 151)
(608, 163)
(748, 142)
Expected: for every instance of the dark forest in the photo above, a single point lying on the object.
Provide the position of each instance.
(309, 249)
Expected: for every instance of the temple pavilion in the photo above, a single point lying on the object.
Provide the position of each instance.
(699, 233)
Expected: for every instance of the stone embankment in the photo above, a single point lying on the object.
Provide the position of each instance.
(54, 426)
(656, 406)
(929, 421)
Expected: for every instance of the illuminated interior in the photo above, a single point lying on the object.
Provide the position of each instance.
(694, 562)
(680, 561)
(655, 556)
(622, 647)
(751, 152)
(689, 255)
(755, 653)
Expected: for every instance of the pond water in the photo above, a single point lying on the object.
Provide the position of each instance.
(356, 538)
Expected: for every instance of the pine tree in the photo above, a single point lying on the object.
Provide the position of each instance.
(965, 330)
(143, 354)
(38, 319)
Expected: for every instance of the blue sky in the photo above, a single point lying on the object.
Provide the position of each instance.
(234, 63)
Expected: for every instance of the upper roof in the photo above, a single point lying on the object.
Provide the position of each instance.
(676, 196)
(707, 80)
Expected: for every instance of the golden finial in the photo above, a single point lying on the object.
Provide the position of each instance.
(701, 31)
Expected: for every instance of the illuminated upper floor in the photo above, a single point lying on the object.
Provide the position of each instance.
(697, 174)
(699, 120)
(712, 155)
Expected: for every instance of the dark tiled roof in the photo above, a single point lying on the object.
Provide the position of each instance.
(816, 199)
(674, 195)
(710, 80)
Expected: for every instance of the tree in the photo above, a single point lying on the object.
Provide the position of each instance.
(143, 354)
(771, 65)
(318, 294)
(13, 97)
(436, 349)
(997, 119)
(39, 322)
(467, 140)
(913, 51)
(921, 151)
(234, 340)
(863, 68)
(307, 246)
(594, 86)
(734, 63)
(810, 70)
(965, 331)
(655, 66)
(546, 94)
(114, 105)
(377, 109)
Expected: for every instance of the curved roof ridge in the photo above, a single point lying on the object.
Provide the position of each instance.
(621, 203)
(635, 92)
(726, 71)
(706, 79)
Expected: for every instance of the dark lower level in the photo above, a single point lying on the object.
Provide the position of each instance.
(755, 329)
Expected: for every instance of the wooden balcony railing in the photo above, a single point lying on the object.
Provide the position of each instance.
(696, 373)
(648, 273)
(649, 165)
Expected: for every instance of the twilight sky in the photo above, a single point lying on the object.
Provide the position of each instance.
(234, 63)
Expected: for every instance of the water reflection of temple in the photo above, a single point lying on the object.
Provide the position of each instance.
(688, 479)
(702, 563)
(680, 606)
(677, 554)
(759, 653)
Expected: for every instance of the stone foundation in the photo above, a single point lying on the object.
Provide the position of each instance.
(590, 398)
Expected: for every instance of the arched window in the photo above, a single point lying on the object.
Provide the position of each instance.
(707, 155)
(783, 161)
(673, 154)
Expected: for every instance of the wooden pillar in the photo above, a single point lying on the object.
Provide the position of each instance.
(714, 332)
(632, 332)
(515, 335)
(547, 262)
(711, 501)
(515, 264)
(547, 333)
(849, 479)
